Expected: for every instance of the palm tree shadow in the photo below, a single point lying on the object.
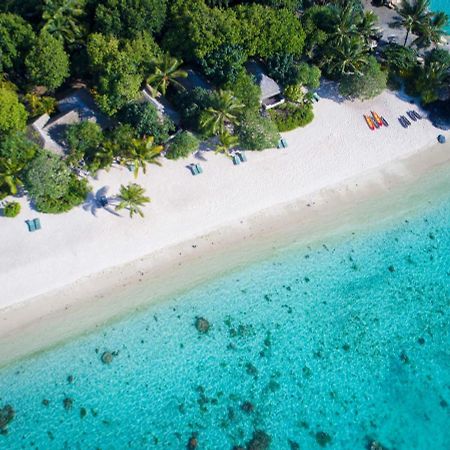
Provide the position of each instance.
(93, 202)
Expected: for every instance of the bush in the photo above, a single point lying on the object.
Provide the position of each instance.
(257, 133)
(143, 117)
(290, 116)
(369, 84)
(246, 91)
(52, 186)
(12, 209)
(182, 145)
(293, 92)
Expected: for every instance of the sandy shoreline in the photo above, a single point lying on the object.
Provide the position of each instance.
(398, 189)
(73, 273)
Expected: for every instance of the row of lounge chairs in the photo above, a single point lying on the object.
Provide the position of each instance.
(33, 225)
(413, 115)
(237, 158)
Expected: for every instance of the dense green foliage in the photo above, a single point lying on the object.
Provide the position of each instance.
(291, 115)
(370, 83)
(182, 145)
(143, 117)
(52, 186)
(47, 63)
(13, 115)
(257, 133)
(118, 47)
(11, 209)
(132, 198)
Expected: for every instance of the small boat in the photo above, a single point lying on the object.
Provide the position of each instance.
(402, 122)
(385, 122)
(406, 120)
(417, 115)
(411, 115)
(369, 122)
(377, 118)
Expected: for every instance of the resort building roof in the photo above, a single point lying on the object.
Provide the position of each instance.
(270, 90)
(162, 105)
(77, 107)
(193, 80)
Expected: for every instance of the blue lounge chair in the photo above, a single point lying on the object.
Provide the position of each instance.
(242, 156)
(37, 224)
(199, 168)
(236, 160)
(31, 225)
(193, 169)
(279, 145)
(316, 96)
(284, 143)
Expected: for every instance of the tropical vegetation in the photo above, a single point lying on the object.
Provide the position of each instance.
(117, 48)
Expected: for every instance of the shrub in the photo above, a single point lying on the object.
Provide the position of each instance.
(12, 209)
(52, 186)
(290, 116)
(182, 145)
(246, 91)
(293, 92)
(257, 133)
(143, 117)
(369, 84)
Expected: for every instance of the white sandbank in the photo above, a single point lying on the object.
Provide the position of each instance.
(80, 257)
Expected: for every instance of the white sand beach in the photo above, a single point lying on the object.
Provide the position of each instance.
(77, 249)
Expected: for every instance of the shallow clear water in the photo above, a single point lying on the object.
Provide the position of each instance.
(351, 340)
(442, 5)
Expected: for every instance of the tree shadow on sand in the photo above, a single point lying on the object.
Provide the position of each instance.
(93, 202)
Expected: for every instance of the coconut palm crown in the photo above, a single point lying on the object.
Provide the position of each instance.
(223, 111)
(132, 198)
(165, 72)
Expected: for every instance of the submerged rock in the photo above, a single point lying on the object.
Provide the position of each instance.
(45, 402)
(247, 407)
(68, 403)
(192, 442)
(107, 357)
(7, 414)
(404, 358)
(323, 438)
(293, 445)
(260, 441)
(375, 445)
(202, 325)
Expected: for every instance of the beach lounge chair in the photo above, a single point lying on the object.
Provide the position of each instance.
(316, 96)
(37, 224)
(402, 122)
(199, 168)
(411, 115)
(284, 143)
(417, 114)
(279, 145)
(406, 120)
(193, 169)
(242, 156)
(385, 122)
(236, 160)
(31, 225)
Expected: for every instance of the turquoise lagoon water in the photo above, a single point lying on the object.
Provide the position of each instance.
(442, 5)
(331, 346)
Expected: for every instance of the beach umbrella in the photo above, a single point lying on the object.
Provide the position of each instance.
(441, 139)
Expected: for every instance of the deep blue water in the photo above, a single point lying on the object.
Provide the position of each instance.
(326, 346)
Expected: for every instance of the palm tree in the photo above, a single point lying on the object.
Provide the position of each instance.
(367, 27)
(223, 111)
(412, 15)
(143, 152)
(166, 71)
(10, 175)
(226, 142)
(132, 198)
(432, 30)
(345, 19)
(431, 79)
(63, 19)
(347, 59)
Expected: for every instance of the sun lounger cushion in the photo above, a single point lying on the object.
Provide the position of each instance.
(284, 143)
(31, 225)
(236, 160)
(242, 157)
(37, 224)
(199, 168)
